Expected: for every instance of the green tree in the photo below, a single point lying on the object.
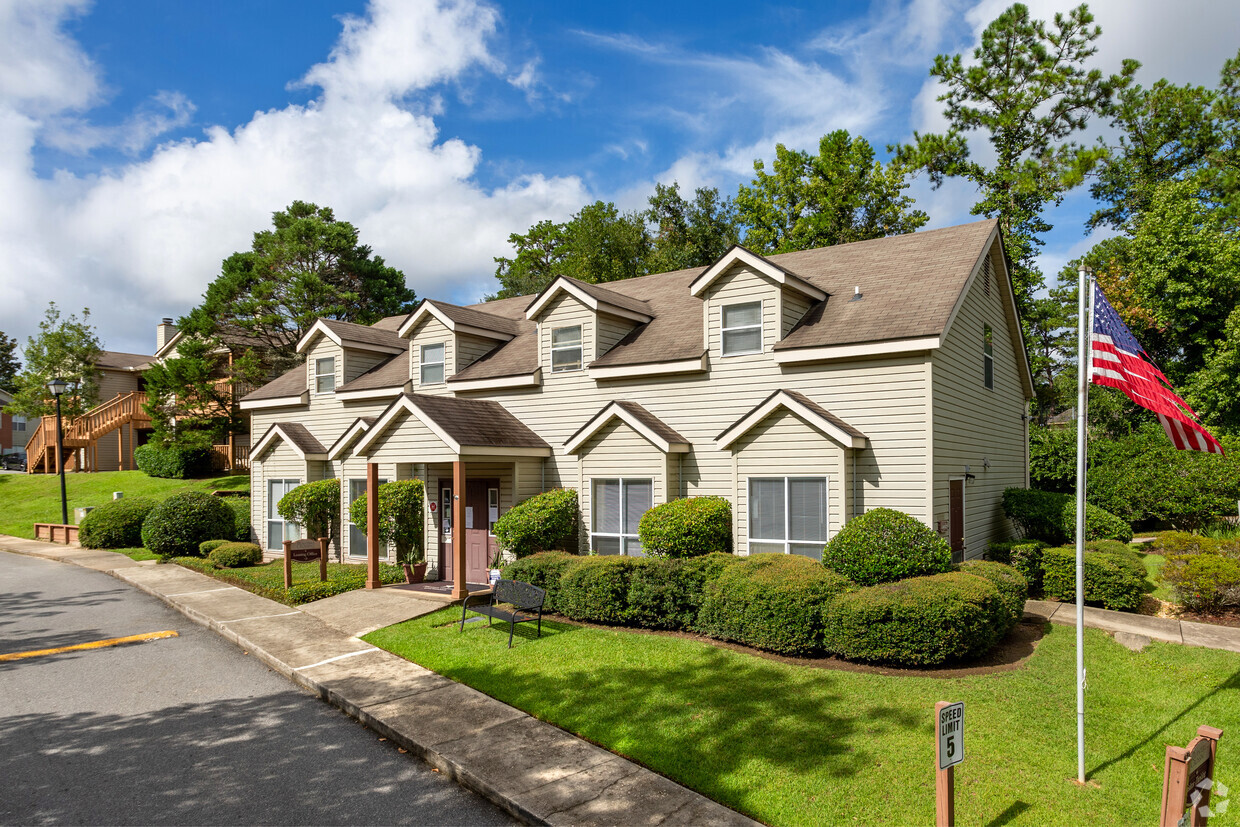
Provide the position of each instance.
(310, 266)
(66, 348)
(689, 233)
(9, 365)
(1028, 90)
(839, 195)
(190, 396)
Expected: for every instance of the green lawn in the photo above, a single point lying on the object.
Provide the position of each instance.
(136, 553)
(26, 499)
(793, 744)
(1153, 565)
(268, 579)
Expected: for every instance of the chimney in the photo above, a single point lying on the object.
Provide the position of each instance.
(164, 331)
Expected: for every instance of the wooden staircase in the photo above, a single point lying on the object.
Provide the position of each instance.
(84, 432)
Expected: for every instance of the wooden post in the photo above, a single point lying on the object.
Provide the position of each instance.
(120, 447)
(459, 590)
(288, 564)
(944, 779)
(373, 580)
(323, 559)
(1183, 770)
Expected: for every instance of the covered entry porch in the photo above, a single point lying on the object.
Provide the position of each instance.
(476, 460)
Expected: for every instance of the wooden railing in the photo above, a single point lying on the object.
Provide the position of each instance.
(235, 457)
(83, 431)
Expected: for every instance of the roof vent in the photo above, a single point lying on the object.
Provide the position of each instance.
(856, 293)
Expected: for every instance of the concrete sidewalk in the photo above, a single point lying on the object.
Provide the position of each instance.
(1135, 631)
(534, 770)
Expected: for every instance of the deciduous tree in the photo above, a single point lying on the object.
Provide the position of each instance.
(65, 348)
(689, 233)
(9, 365)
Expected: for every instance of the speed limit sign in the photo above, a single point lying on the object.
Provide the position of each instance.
(951, 735)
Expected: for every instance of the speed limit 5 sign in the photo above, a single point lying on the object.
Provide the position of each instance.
(951, 734)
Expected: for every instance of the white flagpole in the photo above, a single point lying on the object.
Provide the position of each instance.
(1084, 369)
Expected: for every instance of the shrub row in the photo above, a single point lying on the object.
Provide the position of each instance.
(175, 463)
(1045, 515)
(1023, 555)
(340, 580)
(116, 524)
(235, 555)
(1182, 542)
(1114, 575)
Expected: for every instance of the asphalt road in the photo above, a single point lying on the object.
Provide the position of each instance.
(185, 730)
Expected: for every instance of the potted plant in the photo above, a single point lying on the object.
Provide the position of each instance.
(400, 523)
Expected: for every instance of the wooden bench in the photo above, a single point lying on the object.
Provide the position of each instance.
(524, 598)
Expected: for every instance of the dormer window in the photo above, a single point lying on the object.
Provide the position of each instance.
(566, 349)
(742, 328)
(325, 375)
(431, 364)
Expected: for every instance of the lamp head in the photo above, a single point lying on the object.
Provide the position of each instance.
(58, 386)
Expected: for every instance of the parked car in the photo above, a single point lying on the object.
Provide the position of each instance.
(12, 462)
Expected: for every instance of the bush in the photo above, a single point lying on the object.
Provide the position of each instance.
(1182, 542)
(1044, 515)
(115, 524)
(921, 621)
(176, 463)
(543, 570)
(401, 519)
(175, 527)
(1112, 579)
(687, 527)
(206, 547)
(884, 545)
(597, 589)
(1027, 559)
(241, 517)
(235, 555)
(1011, 584)
(667, 593)
(315, 505)
(544, 522)
(771, 601)
(1204, 582)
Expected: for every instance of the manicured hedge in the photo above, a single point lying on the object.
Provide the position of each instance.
(207, 546)
(1012, 586)
(771, 601)
(240, 507)
(667, 593)
(1023, 555)
(1045, 515)
(544, 522)
(687, 527)
(176, 526)
(173, 463)
(543, 570)
(235, 555)
(1182, 542)
(115, 524)
(1205, 582)
(921, 621)
(884, 545)
(1113, 579)
(597, 589)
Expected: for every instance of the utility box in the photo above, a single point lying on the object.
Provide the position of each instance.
(79, 514)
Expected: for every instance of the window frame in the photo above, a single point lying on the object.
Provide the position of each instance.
(622, 536)
(319, 376)
(350, 526)
(988, 357)
(580, 347)
(724, 330)
(19, 424)
(273, 515)
(442, 364)
(787, 542)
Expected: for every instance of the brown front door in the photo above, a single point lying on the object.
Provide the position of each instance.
(956, 524)
(480, 546)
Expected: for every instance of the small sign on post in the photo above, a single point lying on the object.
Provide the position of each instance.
(1188, 777)
(948, 752)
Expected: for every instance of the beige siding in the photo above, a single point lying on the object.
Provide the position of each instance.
(280, 462)
(794, 306)
(357, 362)
(976, 426)
(432, 332)
(108, 454)
(324, 348)
(611, 329)
(784, 445)
(470, 349)
(565, 311)
(617, 451)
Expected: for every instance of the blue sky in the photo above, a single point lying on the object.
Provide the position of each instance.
(142, 142)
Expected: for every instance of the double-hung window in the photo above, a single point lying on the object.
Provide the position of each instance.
(617, 506)
(566, 348)
(357, 540)
(325, 375)
(431, 364)
(742, 328)
(788, 515)
(279, 529)
(988, 357)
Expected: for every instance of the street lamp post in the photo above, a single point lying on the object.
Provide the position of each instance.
(58, 386)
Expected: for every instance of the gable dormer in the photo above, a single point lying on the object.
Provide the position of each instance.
(444, 339)
(579, 322)
(338, 352)
(750, 303)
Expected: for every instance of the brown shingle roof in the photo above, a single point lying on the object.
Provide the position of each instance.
(115, 360)
(652, 422)
(477, 422)
(637, 305)
(391, 323)
(361, 334)
(821, 411)
(478, 318)
(292, 383)
(390, 374)
(298, 435)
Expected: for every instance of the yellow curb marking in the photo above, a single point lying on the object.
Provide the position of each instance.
(95, 644)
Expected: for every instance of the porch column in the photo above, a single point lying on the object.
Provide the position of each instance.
(372, 526)
(459, 591)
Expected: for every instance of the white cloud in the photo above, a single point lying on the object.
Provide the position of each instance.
(142, 240)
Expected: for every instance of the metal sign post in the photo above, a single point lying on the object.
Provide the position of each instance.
(948, 752)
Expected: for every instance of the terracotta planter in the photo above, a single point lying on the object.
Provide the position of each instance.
(415, 572)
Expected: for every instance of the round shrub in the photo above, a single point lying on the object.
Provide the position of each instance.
(1181, 542)
(1207, 583)
(596, 589)
(544, 522)
(315, 505)
(207, 546)
(884, 545)
(235, 555)
(542, 570)
(1012, 586)
(667, 593)
(771, 601)
(401, 518)
(173, 462)
(175, 527)
(115, 524)
(687, 527)
(921, 621)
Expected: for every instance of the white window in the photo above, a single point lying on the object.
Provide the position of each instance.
(742, 328)
(279, 529)
(617, 506)
(357, 540)
(566, 348)
(788, 515)
(19, 424)
(432, 364)
(988, 357)
(325, 375)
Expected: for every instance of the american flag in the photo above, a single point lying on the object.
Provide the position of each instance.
(1119, 362)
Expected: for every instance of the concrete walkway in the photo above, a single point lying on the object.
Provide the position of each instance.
(1136, 631)
(535, 771)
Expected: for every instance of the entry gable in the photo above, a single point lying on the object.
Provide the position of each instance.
(642, 421)
(461, 320)
(296, 436)
(597, 299)
(340, 447)
(464, 426)
(803, 407)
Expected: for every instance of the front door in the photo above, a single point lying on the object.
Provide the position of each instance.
(955, 533)
(481, 511)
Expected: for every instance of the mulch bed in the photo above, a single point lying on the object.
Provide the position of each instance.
(1228, 619)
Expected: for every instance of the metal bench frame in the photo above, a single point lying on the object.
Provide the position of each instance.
(523, 597)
